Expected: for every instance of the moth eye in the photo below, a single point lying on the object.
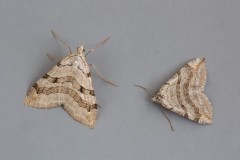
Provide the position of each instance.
(83, 50)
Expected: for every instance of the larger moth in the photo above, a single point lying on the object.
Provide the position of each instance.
(183, 93)
(69, 84)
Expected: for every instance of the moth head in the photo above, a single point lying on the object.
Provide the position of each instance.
(80, 50)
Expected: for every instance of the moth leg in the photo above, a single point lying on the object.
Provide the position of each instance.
(58, 38)
(99, 106)
(53, 58)
(168, 119)
(102, 77)
(162, 110)
(97, 46)
(144, 88)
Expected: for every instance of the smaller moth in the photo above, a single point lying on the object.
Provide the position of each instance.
(68, 84)
(183, 93)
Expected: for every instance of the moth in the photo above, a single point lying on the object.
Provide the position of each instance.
(183, 93)
(67, 84)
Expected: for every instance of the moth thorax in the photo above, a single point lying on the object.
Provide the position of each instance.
(80, 49)
(78, 62)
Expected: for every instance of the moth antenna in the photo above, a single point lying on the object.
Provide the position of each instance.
(102, 77)
(97, 46)
(58, 38)
(162, 110)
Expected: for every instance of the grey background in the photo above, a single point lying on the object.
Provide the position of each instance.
(150, 41)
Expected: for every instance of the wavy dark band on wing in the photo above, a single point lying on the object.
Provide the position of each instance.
(64, 90)
(71, 79)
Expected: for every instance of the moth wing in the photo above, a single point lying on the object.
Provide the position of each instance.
(69, 85)
(183, 93)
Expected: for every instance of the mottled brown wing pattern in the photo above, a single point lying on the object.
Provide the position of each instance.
(183, 93)
(69, 84)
